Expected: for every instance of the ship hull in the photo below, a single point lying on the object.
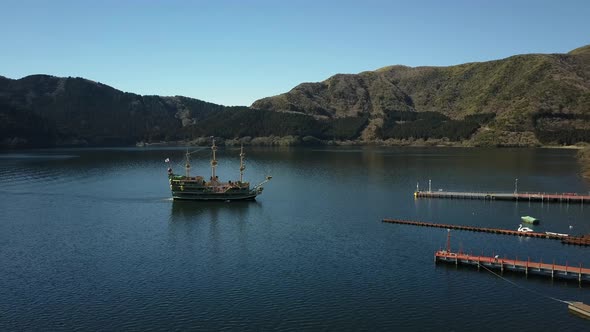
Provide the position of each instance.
(184, 196)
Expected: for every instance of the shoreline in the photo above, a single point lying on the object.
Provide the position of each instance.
(296, 142)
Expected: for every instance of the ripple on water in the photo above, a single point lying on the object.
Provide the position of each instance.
(95, 243)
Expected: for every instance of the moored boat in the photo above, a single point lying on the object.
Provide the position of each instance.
(557, 234)
(580, 308)
(530, 220)
(187, 187)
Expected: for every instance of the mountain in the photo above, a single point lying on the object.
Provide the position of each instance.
(524, 100)
(42, 110)
(521, 100)
(47, 111)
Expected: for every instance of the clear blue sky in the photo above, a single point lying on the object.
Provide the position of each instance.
(234, 52)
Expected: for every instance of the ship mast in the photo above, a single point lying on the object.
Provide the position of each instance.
(242, 166)
(187, 166)
(213, 161)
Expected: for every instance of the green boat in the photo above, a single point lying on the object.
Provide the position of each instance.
(530, 220)
(196, 188)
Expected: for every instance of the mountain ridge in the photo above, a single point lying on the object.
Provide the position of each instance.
(515, 88)
(522, 100)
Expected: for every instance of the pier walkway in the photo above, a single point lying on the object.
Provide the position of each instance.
(531, 197)
(527, 267)
(565, 239)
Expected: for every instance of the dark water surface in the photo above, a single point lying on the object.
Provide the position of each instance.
(90, 240)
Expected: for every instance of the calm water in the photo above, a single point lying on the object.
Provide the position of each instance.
(90, 240)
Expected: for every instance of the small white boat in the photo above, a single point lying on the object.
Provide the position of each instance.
(580, 308)
(524, 229)
(557, 234)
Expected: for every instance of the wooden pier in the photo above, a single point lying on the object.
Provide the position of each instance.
(530, 197)
(527, 267)
(574, 240)
(577, 240)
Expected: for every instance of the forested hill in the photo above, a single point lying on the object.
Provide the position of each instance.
(521, 100)
(46, 111)
(43, 110)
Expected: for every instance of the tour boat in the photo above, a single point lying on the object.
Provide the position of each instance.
(196, 188)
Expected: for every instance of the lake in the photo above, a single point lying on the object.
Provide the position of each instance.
(90, 240)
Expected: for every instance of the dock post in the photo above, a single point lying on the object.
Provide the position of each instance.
(448, 240)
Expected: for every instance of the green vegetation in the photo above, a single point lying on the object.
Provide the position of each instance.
(562, 128)
(242, 121)
(524, 100)
(45, 111)
(584, 159)
(517, 89)
(427, 125)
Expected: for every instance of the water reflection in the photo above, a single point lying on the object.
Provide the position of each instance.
(212, 227)
(189, 211)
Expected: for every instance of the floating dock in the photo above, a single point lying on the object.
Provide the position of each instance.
(527, 267)
(565, 239)
(531, 197)
(577, 240)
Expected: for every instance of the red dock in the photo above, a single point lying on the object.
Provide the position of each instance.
(531, 197)
(527, 267)
(574, 240)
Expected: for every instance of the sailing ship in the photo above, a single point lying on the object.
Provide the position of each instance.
(196, 188)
